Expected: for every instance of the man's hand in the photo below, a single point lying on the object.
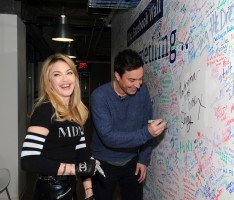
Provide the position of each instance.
(140, 168)
(156, 127)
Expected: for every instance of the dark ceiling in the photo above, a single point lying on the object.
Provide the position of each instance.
(90, 21)
(91, 32)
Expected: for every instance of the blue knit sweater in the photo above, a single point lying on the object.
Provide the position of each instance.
(121, 126)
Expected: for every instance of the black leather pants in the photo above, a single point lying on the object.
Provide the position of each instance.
(53, 188)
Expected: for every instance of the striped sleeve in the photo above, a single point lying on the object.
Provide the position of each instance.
(33, 144)
(82, 150)
(82, 143)
(31, 158)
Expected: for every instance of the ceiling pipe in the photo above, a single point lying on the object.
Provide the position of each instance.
(91, 39)
(109, 17)
(99, 36)
(105, 24)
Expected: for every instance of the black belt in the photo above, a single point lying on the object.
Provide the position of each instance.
(56, 178)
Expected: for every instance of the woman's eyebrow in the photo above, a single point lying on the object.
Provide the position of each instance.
(56, 72)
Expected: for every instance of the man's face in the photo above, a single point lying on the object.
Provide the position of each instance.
(130, 82)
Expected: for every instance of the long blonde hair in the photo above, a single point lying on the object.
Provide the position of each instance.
(76, 110)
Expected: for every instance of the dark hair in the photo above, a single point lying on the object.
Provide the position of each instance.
(127, 60)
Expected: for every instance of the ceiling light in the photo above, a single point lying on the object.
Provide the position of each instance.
(69, 50)
(62, 32)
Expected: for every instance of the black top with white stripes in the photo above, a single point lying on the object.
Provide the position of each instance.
(65, 142)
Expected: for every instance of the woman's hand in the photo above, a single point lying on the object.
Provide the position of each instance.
(86, 168)
(90, 198)
(89, 193)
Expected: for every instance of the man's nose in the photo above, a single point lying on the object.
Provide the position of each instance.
(138, 84)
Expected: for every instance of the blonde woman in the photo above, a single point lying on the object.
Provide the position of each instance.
(55, 144)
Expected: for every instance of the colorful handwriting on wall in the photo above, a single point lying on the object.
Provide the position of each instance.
(189, 58)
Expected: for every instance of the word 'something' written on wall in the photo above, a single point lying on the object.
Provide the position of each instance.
(189, 69)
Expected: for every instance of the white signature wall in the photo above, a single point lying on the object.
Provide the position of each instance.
(189, 58)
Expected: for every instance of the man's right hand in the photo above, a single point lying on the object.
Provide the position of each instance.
(156, 127)
(86, 168)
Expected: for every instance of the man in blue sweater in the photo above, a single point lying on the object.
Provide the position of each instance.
(122, 136)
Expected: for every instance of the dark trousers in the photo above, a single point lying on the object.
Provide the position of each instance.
(130, 188)
(56, 189)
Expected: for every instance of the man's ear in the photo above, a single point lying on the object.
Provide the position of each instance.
(117, 76)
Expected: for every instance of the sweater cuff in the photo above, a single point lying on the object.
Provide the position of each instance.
(144, 162)
(147, 134)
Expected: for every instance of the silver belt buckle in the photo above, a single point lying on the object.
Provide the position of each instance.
(51, 178)
(46, 178)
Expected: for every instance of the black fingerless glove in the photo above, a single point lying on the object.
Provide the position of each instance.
(86, 168)
(90, 198)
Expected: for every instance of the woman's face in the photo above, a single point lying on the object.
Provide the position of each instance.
(62, 80)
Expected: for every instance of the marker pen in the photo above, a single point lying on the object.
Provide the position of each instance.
(100, 170)
(150, 121)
